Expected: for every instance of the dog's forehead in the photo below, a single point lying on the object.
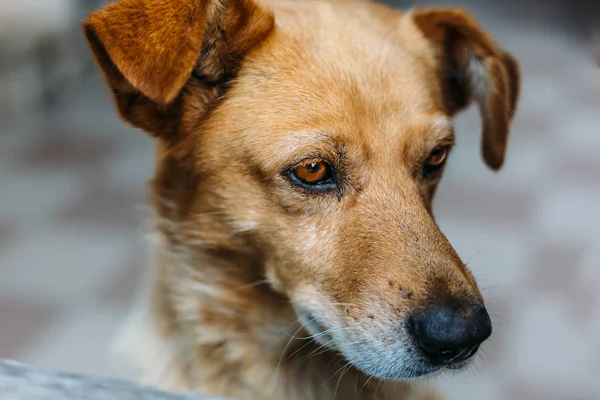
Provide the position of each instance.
(345, 63)
(365, 79)
(376, 49)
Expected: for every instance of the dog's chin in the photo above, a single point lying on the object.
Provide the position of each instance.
(407, 364)
(409, 368)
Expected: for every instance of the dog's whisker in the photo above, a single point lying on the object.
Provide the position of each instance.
(251, 284)
(365, 385)
(474, 369)
(336, 372)
(487, 356)
(487, 288)
(498, 319)
(335, 356)
(302, 326)
(474, 256)
(379, 384)
(496, 304)
(316, 352)
(460, 353)
(313, 340)
(322, 301)
(346, 368)
(356, 378)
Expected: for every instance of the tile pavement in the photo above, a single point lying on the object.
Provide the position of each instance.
(72, 220)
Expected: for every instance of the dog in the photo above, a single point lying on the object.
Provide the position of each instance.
(299, 146)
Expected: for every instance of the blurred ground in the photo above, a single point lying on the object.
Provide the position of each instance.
(72, 219)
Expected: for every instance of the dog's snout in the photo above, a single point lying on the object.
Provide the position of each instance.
(448, 334)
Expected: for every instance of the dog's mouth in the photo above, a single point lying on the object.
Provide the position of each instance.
(463, 361)
(416, 366)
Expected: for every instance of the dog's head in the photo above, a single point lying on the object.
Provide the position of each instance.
(312, 137)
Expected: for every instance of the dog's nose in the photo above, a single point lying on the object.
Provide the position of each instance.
(447, 334)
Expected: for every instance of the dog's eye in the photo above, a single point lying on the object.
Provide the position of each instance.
(432, 166)
(314, 172)
(437, 157)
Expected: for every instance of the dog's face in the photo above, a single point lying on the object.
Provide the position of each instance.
(317, 139)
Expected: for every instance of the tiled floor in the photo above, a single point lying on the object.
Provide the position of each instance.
(72, 223)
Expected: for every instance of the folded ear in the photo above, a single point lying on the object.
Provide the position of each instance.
(472, 67)
(149, 49)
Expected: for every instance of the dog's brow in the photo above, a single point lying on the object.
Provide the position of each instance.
(310, 136)
(300, 143)
(442, 123)
(442, 128)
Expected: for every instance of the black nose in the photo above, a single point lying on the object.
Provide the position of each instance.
(450, 333)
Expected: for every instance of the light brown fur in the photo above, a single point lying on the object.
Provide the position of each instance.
(235, 92)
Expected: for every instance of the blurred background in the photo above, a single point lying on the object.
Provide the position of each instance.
(73, 216)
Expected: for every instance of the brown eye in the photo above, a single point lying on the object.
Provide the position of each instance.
(314, 172)
(437, 157)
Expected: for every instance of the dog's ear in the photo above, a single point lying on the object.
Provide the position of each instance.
(149, 49)
(472, 67)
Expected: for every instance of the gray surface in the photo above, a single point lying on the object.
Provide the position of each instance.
(21, 382)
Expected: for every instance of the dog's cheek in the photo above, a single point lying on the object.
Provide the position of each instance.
(305, 253)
